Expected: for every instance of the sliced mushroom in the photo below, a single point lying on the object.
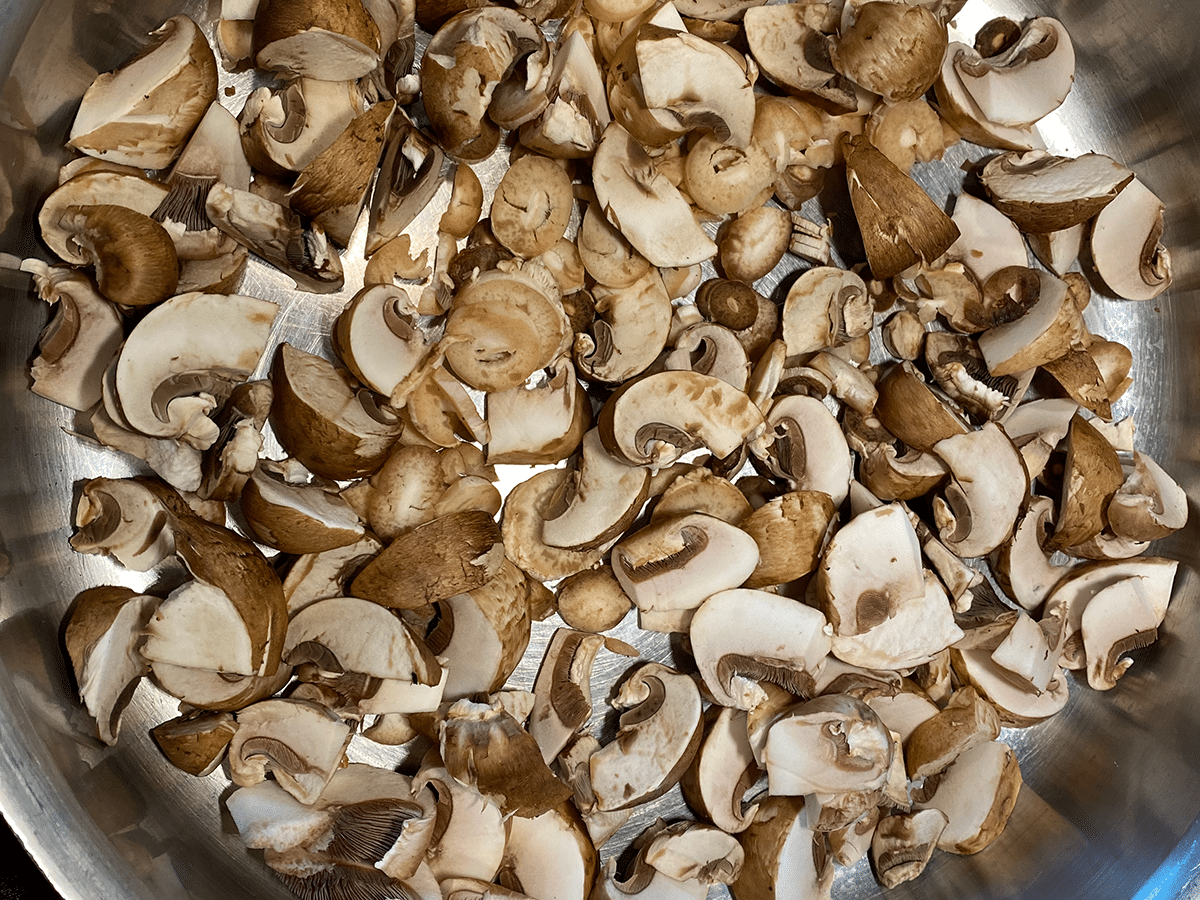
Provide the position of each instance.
(1022, 564)
(978, 509)
(284, 129)
(644, 205)
(966, 721)
(976, 794)
(134, 256)
(562, 692)
(790, 531)
(659, 733)
(195, 743)
(1052, 326)
(1043, 193)
(785, 857)
(379, 338)
(833, 743)
(907, 132)
(1092, 474)
(296, 517)
(531, 206)
(469, 837)
(807, 447)
(1117, 619)
(550, 855)
(333, 41)
(318, 417)
(300, 744)
(525, 510)
(103, 636)
(1149, 505)
(632, 327)
(903, 844)
(988, 240)
(670, 568)
(141, 114)
(1125, 244)
(734, 652)
(700, 490)
(540, 423)
(1016, 706)
(795, 53)
(723, 772)
(592, 600)
(824, 307)
(577, 114)
(410, 174)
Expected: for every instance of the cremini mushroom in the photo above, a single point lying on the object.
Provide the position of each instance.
(1044, 193)
(195, 742)
(784, 855)
(1125, 244)
(903, 844)
(892, 50)
(988, 240)
(1149, 505)
(976, 794)
(332, 41)
(284, 128)
(805, 445)
(296, 517)
(790, 531)
(134, 257)
(410, 174)
(379, 338)
(562, 692)
(550, 855)
(300, 744)
(629, 332)
(531, 206)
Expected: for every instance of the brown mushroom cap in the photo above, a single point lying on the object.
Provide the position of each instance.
(894, 50)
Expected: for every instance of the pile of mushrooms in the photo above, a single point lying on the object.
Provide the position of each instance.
(882, 509)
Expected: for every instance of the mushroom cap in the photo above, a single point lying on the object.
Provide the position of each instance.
(894, 50)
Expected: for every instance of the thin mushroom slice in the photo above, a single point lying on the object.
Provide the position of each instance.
(903, 844)
(525, 511)
(632, 326)
(562, 692)
(734, 652)
(379, 337)
(1149, 505)
(655, 420)
(1044, 193)
(723, 772)
(1125, 244)
(670, 568)
(103, 636)
(541, 421)
(658, 735)
(300, 743)
(966, 721)
(976, 794)
(805, 445)
(142, 113)
(831, 744)
(603, 496)
(122, 518)
(1022, 565)
(469, 837)
(785, 856)
(988, 240)
(823, 307)
(692, 852)
(1117, 619)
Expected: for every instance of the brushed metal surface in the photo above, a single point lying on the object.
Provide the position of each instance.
(1112, 785)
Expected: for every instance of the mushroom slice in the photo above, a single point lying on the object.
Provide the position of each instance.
(963, 113)
(785, 857)
(1037, 427)
(336, 41)
(469, 834)
(321, 420)
(562, 692)
(693, 852)
(196, 742)
(283, 129)
(279, 235)
(1027, 81)
(644, 205)
(1092, 475)
(485, 748)
(754, 243)
(550, 855)
(483, 62)
(198, 627)
(134, 256)
(1044, 193)
(131, 190)
(531, 206)
(734, 652)
(79, 343)
(501, 329)
(1016, 706)
(805, 445)
(903, 844)
(1052, 326)
(296, 517)
(345, 634)
(300, 743)
(142, 113)
(525, 511)
(978, 510)
(317, 576)
(723, 179)
(655, 420)
(858, 592)
(824, 307)
(122, 518)
(410, 174)
(831, 744)
(977, 794)
(698, 489)
(577, 114)
(670, 568)
(1022, 565)
(1117, 619)
(988, 240)
(541, 421)
(791, 532)
(966, 721)
(723, 772)
(913, 412)
(481, 634)
(894, 51)
(1125, 244)
(602, 496)
(659, 733)
(332, 188)
(1149, 505)
(1027, 654)
(645, 882)
(379, 337)
(958, 367)
(454, 553)
(182, 360)
(794, 53)
(633, 325)
(103, 637)
(592, 601)
(268, 817)
(900, 224)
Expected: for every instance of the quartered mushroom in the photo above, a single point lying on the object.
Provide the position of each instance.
(142, 113)
(658, 734)
(577, 114)
(1118, 618)
(976, 794)
(735, 651)
(1092, 475)
(988, 240)
(103, 637)
(671, 567)
(1017, 706)
(542, 422)
(791, 531)
(1050, 327)
(283, 129)
(796, 54)
(966, 721)
(469, 836)
(410, 174)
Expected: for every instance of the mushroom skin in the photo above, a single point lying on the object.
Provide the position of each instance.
(894, 50)
(135, 259)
